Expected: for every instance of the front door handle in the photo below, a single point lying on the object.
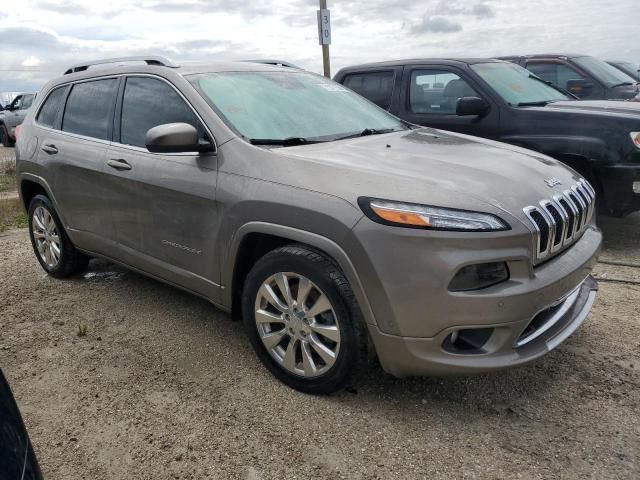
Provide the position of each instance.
(119, 164)
(50, 149)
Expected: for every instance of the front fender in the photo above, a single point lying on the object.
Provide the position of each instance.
(315, 240)
(555, 145)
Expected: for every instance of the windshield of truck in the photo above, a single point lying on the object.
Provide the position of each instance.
(604, 72)
(516, 85)
(291, 105)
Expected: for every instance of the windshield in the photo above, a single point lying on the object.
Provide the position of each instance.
(604, 72)
(281, 105)
(517, 85)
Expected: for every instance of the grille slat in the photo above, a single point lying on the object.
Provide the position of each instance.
(560, 221)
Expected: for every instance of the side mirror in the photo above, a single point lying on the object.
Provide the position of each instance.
(579, 87)
(466, 106)
(175, 138)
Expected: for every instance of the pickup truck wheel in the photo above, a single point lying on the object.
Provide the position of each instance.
(303, 320)
(53, 248)
(5, 140)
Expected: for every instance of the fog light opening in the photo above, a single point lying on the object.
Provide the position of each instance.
(468, 341)
(479, 276)
(636, 187)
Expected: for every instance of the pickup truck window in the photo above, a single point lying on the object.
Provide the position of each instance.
(611, 76)
(516, 85)
(556, 73)
(290, 105)
(437, 91)
(376, 86)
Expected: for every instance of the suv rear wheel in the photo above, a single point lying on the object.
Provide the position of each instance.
(52, 246)
(303, 321)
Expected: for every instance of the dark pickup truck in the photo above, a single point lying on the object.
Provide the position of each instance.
(504, 102)
(587, 77)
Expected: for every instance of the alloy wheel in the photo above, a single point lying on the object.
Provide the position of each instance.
(297, 324)
(46, 237)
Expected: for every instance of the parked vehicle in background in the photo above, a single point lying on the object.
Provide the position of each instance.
(586, 77)
(17, 458)
(13, 115)
(626, 67)
(319, 218)
(503, 101)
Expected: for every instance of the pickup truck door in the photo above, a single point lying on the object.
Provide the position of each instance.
(429, 94)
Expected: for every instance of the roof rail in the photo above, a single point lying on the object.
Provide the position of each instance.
(150, 60)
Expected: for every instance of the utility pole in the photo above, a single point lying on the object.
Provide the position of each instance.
(324, 35)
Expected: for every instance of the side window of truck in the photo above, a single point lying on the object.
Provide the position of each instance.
(556, 73)
(374, 86)
(437, 91)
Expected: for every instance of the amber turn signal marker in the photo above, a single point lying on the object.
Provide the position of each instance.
(404, 218)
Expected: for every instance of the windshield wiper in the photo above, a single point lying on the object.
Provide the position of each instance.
(285, 142)
(622, 84)
(541, 103)
(366, 132)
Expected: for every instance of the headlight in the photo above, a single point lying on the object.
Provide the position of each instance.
(635, 138)
(411, 215)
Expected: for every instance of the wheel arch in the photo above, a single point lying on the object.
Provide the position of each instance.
(255, 239)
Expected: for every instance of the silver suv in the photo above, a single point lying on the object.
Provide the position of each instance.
(12, 115)
(332, 228)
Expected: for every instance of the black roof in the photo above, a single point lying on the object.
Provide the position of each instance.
(544, 55)
(417, 61)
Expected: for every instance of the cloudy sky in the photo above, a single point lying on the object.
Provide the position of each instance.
(39, 38)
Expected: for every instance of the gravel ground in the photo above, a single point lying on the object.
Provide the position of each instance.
(165, 386)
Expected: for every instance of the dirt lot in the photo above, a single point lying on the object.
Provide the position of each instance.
(163, 385)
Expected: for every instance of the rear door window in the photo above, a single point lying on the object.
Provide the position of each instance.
(375, 86)
(48, 114)
(149, 102)
(437, 91)
(89, 108)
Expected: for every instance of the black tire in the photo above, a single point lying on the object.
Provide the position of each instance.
(71, 261)
(351, 359)
(5, 140)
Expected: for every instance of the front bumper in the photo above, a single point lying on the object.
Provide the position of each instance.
(406, 282)
(620, 185)
(402, 356)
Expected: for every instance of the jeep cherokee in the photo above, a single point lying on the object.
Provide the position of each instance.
(332, 227)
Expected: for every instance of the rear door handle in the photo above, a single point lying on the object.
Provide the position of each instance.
(50, 149)
(119, 164)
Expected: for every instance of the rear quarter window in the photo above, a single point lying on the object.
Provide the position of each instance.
(48, 114)
(89, 108)
(375, 86)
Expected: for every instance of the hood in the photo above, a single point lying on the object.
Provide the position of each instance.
(598, 106)
(434, 167)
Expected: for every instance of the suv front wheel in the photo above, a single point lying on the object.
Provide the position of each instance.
(303, 321)
(52, 246)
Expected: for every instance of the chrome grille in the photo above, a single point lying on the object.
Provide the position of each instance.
(560, 220)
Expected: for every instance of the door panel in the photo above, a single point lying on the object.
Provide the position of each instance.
(430, 94)
(76, 173)
(164, 210)
(163, 206)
